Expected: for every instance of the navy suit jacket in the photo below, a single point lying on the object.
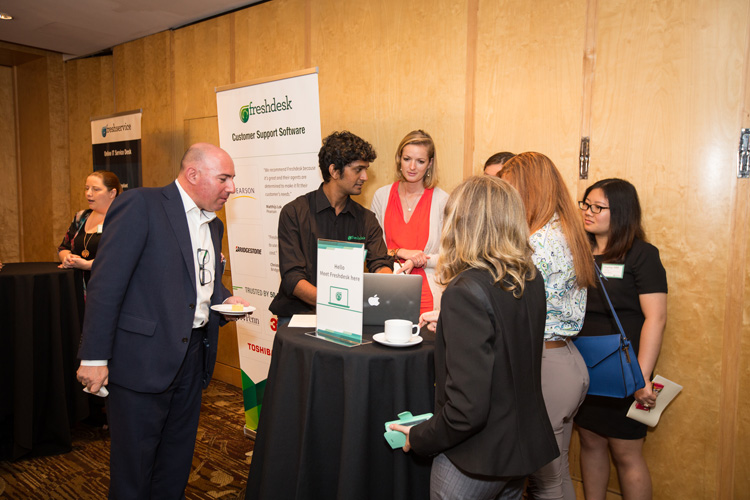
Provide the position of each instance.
(141, 298)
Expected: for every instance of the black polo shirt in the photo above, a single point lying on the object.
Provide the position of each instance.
(301, 223)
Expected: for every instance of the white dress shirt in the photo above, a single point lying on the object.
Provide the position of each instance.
(200, 238)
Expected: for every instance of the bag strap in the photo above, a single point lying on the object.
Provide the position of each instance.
(600, 275)
(624, 342)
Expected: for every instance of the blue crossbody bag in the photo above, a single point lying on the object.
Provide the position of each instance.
(613, 366)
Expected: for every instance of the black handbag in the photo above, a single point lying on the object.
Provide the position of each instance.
(613, 366)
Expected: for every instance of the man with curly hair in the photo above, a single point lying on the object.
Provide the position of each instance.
(327, 213)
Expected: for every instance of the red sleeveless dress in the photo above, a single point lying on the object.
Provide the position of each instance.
(411, 235)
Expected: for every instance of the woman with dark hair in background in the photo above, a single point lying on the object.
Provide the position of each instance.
(637, 285)
(78, 248)
(410, 211)
(494, 163)
(563, 257)
(489, 430)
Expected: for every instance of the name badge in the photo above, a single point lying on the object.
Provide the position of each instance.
(99, 228)
(613, 270)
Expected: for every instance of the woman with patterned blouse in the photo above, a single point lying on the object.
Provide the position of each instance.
(563, 256)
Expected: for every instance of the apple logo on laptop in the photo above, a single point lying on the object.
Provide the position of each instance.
(374, 300)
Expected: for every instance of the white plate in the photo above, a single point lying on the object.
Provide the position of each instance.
(380, 338)
(227, 309)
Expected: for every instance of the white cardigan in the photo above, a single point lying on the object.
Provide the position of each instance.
(439, 199)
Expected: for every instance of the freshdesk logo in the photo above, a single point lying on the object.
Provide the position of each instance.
(266, 107)
(104, 131)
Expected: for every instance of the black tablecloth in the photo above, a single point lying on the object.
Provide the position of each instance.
(320, 434)
(39, 395)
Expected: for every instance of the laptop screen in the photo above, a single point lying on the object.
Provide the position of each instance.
(390, 296)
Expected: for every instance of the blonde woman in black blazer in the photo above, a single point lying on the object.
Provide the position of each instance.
(490, 428)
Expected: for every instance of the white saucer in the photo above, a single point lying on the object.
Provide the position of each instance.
(380, 338)
(227, 310)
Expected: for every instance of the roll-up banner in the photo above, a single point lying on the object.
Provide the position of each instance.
(271, 129)
(116, 146)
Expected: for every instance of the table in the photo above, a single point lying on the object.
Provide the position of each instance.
(39, 397)
(320, 433)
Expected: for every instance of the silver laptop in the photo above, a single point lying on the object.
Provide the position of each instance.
(390, 296)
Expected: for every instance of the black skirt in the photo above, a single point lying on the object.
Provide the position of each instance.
(607, 417)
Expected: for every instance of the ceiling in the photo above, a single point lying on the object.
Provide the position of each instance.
(78, 28)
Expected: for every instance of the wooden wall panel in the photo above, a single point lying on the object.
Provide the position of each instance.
(58, 143)
(144, 80)
(390, 67)
(10, 249)
(665, 105)
(742, 440)
(90, 93)
(269, 39)
(33, 107)
(738, 322)
(202, 61)
(43, 155)
(529, 80)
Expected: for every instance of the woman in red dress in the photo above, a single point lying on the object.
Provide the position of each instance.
(411, 212)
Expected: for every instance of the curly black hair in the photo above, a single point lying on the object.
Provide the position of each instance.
(340, 149)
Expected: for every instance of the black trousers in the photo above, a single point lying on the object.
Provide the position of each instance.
(153, 435)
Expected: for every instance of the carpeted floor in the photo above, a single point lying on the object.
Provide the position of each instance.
(220, 463)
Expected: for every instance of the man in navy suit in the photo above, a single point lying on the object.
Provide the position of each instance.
(149, 334)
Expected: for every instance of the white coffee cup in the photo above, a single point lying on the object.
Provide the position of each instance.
(400, 331)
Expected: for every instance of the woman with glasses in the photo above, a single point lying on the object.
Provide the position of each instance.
(637, 285)
(563, 257)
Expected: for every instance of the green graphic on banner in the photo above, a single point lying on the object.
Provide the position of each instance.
(252, 394)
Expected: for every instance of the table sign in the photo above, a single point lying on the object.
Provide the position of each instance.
(339, 302)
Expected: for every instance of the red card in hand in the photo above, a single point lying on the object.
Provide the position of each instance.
(657, 389)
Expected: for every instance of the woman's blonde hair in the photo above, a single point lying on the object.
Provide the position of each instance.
(485, 228)
(419, 138)
(544, 193)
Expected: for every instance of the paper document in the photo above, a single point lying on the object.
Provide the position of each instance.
(303, 321)
(650, 416)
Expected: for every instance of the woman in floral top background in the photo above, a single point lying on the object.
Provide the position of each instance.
(563, 256)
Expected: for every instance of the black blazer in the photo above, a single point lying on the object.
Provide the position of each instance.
(490, 417)
(141, 298)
